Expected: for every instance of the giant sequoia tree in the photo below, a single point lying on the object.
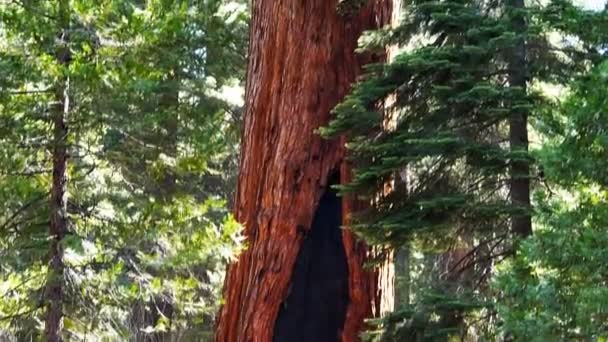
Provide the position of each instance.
(302, 277)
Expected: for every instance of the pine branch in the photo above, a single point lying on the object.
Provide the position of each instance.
(27, 173)
(30, 92)
(21, 210)
(20, 314)
(23, 282)
(471, 253)
(32, 10)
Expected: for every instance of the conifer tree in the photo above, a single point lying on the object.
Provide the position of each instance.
(122, 204)
(553, 289)
(464, 88)
(59, 222)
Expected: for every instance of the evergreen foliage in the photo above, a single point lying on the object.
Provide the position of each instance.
(154, 91)
(554, 289)
(445, 142)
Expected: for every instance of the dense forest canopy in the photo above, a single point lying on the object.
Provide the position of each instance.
(436, 166)
(150, 94)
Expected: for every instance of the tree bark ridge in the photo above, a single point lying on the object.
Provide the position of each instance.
(301, 65)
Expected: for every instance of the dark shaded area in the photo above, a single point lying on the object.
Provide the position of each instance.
(315, 308)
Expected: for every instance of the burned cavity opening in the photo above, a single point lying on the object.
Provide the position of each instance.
(315, 308)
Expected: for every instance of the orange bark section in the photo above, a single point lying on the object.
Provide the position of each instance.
(301, 65)
(366, 285)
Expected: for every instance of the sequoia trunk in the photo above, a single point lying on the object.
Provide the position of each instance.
(301, 277)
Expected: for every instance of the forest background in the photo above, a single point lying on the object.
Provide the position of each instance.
(120, 128)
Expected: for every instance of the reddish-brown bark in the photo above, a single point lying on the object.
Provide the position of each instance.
(302, 63)
(371, 291)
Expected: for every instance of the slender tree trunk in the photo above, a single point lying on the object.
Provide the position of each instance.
(301, 277)
(58, 228)
(521, 224)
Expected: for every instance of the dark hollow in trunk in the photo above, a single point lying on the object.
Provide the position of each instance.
(315, 308)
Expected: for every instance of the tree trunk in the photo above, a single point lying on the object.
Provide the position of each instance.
(521, 224)
(301, 277)
(58, 227)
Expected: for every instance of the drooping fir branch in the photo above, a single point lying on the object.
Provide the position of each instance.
(453, 101)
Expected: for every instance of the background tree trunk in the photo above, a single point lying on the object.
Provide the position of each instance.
(58, 227)
(521, 224)
(301, 64)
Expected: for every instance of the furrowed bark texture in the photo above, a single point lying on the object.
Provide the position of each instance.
(301, 65)
(58, 227)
